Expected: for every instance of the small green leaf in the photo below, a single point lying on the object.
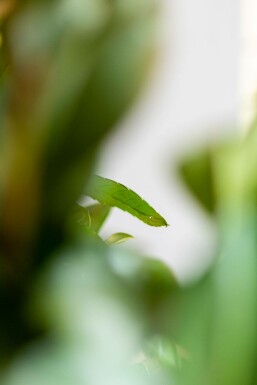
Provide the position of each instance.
(114, 194)
(81, 216)
(117, 238)
(98, 214)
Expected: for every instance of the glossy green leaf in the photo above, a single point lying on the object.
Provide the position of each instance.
(114, 194)
(117, 238)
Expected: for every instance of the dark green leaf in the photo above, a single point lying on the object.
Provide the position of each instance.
(98, 214)
(114, 194)
(197, 173)
(81, 216)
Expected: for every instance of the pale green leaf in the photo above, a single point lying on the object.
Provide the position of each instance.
(117, 238)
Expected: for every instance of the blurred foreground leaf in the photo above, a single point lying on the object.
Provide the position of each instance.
(234, 335)
(217, 316)
(96, 322)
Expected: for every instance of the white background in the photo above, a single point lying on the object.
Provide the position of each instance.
(192, 97)
(248, 60)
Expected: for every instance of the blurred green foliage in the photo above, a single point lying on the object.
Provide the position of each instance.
(77, 309)
(222, 336)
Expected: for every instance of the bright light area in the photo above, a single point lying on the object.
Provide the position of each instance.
(192, 97)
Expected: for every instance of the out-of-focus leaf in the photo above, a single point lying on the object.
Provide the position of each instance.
(197, 173)
(117, 238)
(236, 174)
(234, 333)
(97, 327)
(82, 223)
(81, 216)
(114, 194)
(151, 282)
(165, 352)
(98, 214)
(216, 317)
(1, 56)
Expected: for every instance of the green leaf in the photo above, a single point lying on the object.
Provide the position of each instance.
(98, 214)
(117, 238)
(114, 194)
(234, 326)
(81, 216)
(197, 173)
